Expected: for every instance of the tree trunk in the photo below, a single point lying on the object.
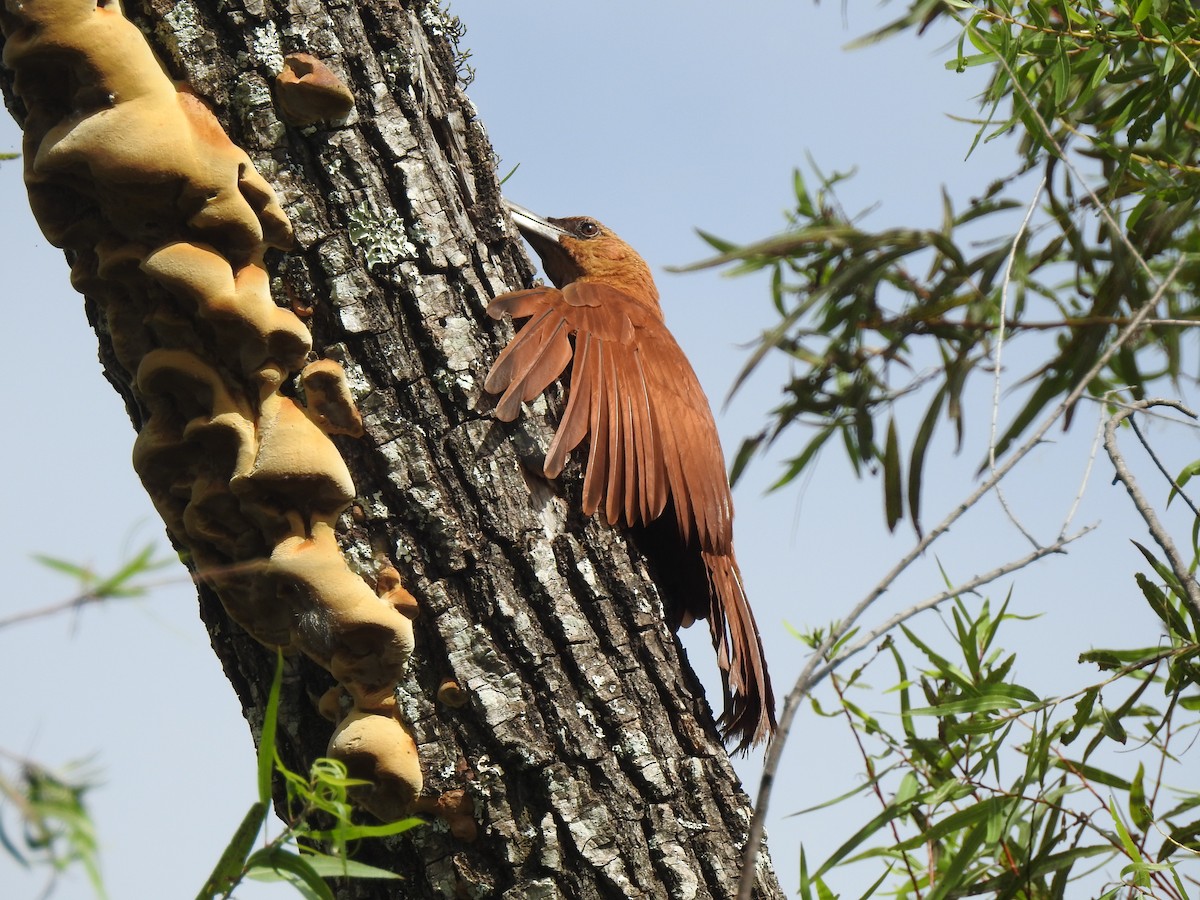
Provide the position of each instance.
(544, 682)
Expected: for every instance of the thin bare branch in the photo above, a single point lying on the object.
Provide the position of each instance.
(998, 356)
(1187, 582)
(1087, 475)
(966, 587)
(1161, 468)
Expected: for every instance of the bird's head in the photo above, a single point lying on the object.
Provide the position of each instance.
(579, 248)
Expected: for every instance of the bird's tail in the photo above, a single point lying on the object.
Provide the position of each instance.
(749, 715)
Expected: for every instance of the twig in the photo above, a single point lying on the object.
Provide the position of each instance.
(874, 780)
(1087, 474)
(1186, 582)
(77, 602)
(1000, 332)
(1161, 468)
(819, 674)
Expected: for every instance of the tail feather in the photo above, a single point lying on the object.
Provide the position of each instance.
(749, 716)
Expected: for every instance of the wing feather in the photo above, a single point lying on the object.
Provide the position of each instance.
(594, 487)
(535, 357)
(653, 477)
(576, 418)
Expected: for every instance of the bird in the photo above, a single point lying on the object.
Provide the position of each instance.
(653, 452)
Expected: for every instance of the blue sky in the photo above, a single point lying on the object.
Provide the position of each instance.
(657, 119)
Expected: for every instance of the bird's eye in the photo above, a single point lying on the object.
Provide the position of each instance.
(588, 229)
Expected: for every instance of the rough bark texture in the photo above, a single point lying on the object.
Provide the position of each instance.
(585, 743)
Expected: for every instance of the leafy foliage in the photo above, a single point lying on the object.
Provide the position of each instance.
(985, 789)
(1103, 100)
(319, 814)
(56, 830)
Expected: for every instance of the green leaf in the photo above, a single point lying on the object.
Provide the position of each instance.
(746, 451)
(855, 840)
(1139, 813)
(977, 814)
(916, 463)
(1131, 848)
(987, 698)
(266, 741)
(278, 859)
(358, 832)
(954, 876)
(1091, 773)
(1062, 73)
(229, 868)
(1180, 836)
(1163, 608)
(1111, 726)
(797, 465)
(892, 480)
(1164, 572)
(67, 567)
(1083, 714)
(1184, 476)
(338, 867)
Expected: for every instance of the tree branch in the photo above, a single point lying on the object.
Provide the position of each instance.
(1187, 582)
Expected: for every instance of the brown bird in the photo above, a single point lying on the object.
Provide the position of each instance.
(652, 440)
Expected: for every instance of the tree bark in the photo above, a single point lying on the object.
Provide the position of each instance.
(581, 737)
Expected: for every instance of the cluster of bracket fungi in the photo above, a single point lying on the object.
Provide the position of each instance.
(166, 222)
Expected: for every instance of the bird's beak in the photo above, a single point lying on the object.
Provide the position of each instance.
(533, 226)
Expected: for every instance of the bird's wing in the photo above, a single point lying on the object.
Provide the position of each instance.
(633, 394)
(536, 355)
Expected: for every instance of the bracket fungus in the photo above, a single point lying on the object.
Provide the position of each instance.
(307, 91)
(327, 399)
(167, 223)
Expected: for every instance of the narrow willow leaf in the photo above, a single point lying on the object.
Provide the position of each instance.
(1139, 813)
(1180, 836)
(1112, 727)
(278, 859)
(987, 698)
(892, 491)
(976, 815)
(916, 463)
(1163, 572)
(1091, 773)
(1184, 476)
(82, 573)
(749, 447)
(1062, 74)
(228, 870)
(340, 867)
(860, 836)
(1131, 847)
(954, 877)
(358, 832)
(1083, 714)
(1163, 608)
(797, 465)
(266, 741)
